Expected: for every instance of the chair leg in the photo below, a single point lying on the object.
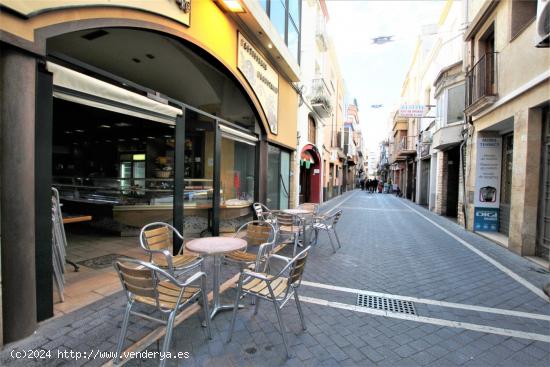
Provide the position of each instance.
(167, 338)
(337, 238)
(299, 306)
(235, 308)
(281, 327)
(331, 241)
(123, 331)
(257, 306)
(316, 236)
(205, 309)
(295, 250)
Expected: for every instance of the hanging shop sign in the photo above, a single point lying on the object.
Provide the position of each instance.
(487, 193)
(263, 79)
(178, 10)
(412, 110)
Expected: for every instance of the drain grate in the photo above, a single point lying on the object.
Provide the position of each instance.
(386, 304)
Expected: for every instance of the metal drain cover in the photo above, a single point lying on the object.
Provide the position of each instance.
(386, 304)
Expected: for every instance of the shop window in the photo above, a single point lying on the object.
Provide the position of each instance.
(523, 13)
(237, 172)
(278, 178)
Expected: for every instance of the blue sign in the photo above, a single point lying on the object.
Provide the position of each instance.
(486, 219)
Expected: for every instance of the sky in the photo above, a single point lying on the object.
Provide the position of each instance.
(374, 74)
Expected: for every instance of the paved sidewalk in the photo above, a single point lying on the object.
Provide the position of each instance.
(476, 304)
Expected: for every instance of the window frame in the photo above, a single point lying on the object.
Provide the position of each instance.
(288, 19)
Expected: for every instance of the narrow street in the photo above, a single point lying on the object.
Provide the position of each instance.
(473, 303)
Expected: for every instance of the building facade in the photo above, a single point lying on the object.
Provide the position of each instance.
(183, 112)
(507, 108)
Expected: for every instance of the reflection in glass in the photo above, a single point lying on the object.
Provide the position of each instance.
(199, 173)
(237, 172)
(278, 16)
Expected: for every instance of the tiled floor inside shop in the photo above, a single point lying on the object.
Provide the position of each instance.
(94, 281)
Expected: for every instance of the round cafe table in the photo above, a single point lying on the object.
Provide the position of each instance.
(216, 247)
(303, 214)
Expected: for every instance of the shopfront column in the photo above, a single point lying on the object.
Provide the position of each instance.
(17, 88)
(525, 181)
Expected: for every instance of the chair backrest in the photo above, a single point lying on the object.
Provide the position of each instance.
(285, 219)
(297, 268)
(257, 233)
(142, 279)
(336, 217)
(137, 279)
(313, 207)
(261, 210)
(157, 236)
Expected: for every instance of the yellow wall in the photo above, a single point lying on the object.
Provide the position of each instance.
(210, 29)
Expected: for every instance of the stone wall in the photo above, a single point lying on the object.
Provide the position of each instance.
(441, 184)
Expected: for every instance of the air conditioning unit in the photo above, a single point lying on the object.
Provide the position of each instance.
(542, 38)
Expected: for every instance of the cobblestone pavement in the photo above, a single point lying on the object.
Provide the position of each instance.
(476, 304)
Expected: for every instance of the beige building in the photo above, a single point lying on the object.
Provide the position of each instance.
(507, 105)
(333, 153)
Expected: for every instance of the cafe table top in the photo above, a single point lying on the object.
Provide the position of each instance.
(215, 245)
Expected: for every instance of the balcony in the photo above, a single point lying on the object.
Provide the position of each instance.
(321, 35)
(481, 84)
(447, 136)
(320, 97)
(406, 147)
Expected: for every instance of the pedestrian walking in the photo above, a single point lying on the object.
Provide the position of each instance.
(362, 182)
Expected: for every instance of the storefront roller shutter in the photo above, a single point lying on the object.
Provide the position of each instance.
(76, 87)
(234, 134)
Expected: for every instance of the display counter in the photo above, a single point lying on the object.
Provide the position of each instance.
(137, 202)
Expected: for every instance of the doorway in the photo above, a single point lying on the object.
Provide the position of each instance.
(542, 246)
(453, 162)
(506, 183)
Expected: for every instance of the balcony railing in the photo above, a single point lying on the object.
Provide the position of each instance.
(321, 34)
(482, 80)
(320, 97)
(406, 146)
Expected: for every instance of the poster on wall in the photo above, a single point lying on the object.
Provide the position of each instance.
(263, 79)
(487, 189)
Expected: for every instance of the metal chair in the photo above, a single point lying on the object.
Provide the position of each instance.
(277, 289)
(263, 213)
(312, 207)
(257, 234)
(328, 224)
(151, 286)
(156, 239)
(290, 226)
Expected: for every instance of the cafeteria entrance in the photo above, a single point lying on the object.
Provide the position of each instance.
(145, 128)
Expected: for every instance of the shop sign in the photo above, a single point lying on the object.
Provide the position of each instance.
(486, 219)
(412, 110)
(178, 10)
(487, 192)
(263, 79)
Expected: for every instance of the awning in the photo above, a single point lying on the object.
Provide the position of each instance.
(234, 134)
(80, 88)
(306, 159)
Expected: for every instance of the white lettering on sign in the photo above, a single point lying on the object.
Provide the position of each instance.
(263, 79)
(489, 152)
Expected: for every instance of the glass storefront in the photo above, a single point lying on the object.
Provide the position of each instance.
(278, 178)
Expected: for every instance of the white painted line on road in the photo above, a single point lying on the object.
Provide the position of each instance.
(489, 259)
(377, 209)
(430, 320)
(498, 311)
(340, 203)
